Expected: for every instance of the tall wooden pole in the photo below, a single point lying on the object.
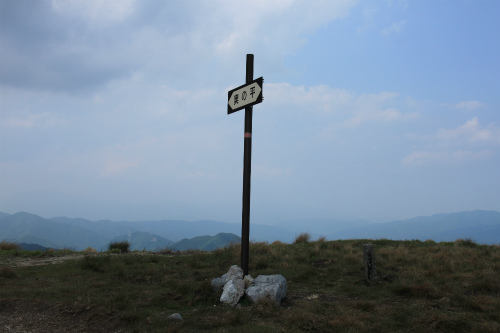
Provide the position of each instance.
(247, 170)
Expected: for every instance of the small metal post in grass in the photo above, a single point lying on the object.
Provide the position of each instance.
(369, 263)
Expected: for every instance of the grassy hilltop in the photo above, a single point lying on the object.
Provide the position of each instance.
(423, 287)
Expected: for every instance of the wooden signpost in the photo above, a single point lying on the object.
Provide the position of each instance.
(244, 97)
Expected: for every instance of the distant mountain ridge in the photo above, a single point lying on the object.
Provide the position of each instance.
(29, 228)
(478, 225)
(32, 247)
(59, 232)
(206, 243)
(144, 241)
(78, 234)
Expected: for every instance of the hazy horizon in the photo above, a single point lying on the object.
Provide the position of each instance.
(273, 223)
(373, 110)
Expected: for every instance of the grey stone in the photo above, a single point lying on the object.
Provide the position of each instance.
(218, 284)
(248, 281)
(270, 286)
(266, 279)
(175, 317)
(234, 284)
(233, 291)
(234, 273)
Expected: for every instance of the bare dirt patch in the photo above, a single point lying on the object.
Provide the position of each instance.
(37, 261)
(37, 317)
(18, 261)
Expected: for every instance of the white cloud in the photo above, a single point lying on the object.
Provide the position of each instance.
(117, 166)
(469, 133)
(395, 28)
(85, 44)
(319, 98)
(261, 170)
(382, 107)
(273, 22)
(31, 119)
(96, 11)
(467, 142)
(420, 158)
(347, 109)
(469, 105)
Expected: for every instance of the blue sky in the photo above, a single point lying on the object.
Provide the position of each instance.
(376, 110)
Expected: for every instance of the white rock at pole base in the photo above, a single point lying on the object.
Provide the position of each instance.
(235, 272)
(233, 291)
(270, 286)
(248, 281)
(217, 284)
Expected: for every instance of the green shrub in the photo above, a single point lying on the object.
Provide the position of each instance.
(122, 246)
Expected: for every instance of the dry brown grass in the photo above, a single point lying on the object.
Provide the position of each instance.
(303, 237)
(8, 272)
(89, 250)
(8, 246)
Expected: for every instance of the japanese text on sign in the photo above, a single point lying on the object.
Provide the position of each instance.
(245, 95)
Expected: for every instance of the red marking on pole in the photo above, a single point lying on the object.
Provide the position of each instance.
(248, 135)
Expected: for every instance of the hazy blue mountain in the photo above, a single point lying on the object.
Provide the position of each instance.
(60, 232)
(177, 230)
(105, 228)
(206, 243)
(144, 241)
(29, 228)
(32, 247)
(98, 234)
(477, 225)
(482, 233)
(320, 227)
(268, 233)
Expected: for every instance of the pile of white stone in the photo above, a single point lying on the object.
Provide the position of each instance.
(234, 285)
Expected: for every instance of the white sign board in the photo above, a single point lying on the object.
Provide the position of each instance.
(245, 95)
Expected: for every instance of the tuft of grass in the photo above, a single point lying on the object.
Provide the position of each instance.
(467, 242)
(121, 247)
(265, 308)
(7, 272)
(417, 290)
(89, 250)
(9, 246)
(95, 263)
(303, 237)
